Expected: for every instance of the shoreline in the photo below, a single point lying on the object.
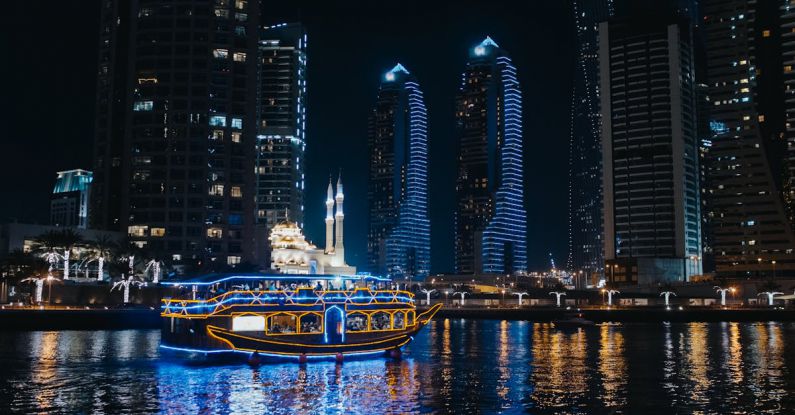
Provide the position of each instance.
(146, 318)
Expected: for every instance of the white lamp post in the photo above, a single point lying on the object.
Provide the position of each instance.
(557, 295)
(428, 295)
(462, 296)
(722, 292)
(667, 294)
(610, 294)
(522, 294)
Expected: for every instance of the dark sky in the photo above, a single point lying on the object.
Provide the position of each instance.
(49, 65)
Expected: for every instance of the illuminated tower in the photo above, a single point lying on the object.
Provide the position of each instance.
(651, 202)
(339, 218)
(281, 129)
(585, 148)
(490, 219)
(749, 46)
(329, 218)
(398, 242)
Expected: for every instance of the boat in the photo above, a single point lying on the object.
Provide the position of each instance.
(572, 321)
(289, 316)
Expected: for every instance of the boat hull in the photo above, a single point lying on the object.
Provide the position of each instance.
(206, 338)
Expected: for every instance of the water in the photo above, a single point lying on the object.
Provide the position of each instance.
(454, 366)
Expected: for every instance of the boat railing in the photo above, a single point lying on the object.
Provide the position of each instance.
(174, 307)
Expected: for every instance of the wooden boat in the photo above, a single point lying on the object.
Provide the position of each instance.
(290, 316)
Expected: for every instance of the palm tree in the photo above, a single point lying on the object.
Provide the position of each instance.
(56, 245)
(102, 249)
(667, 290)
(38, 272)
(124, 285)
(770, 289)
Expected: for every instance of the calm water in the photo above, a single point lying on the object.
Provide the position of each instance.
(454, 366)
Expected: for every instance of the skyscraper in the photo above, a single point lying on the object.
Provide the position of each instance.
(490, 218)
(189, 127)
(112, 105)
(398, 242)
(69, 201)
(650, 153)
(281, 130)
(585, 148)
(749, 65)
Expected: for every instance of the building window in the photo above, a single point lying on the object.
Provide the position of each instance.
(143, 106)
(220, 53)
(237, 123)
(787, 68)
(240, 4)
(176, 257)
(222, 13)
(216, 190)
(236, 137)
(218, 121)
(158, 232)
(215, 233)
(766, 33)
(241, 17)
(235, 219)
(137, 230)
(239, 57)
(236, 192)
(240, 30)
(217, 135)
(232, 260)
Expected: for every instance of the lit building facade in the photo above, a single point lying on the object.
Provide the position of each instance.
(750, 70)
(69, 203)
(651, 203)
(490, 218)
(398, 242)
(291, 253)
(188, 128)
(585, 148)
(281, 129)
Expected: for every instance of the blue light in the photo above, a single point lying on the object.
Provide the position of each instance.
(266, 354)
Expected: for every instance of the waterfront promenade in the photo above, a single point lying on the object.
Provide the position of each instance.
(82, 318)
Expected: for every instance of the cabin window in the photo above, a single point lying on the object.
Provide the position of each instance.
(356, 322)
(248, 323)
(311, 323)
(282, 324)
(410, 318)
(399, 320)
(380, 321)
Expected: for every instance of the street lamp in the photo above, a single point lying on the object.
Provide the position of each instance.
(774, 268)
(503, 298)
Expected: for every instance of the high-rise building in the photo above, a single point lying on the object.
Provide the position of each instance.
(112, 104)
(189, 128)
(490, 218)
(281, 129)
(749, 63)
(585, 148)
(398, 242)
(650, 152)
(69, 203)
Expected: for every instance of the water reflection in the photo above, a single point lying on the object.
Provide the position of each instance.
(454, 366)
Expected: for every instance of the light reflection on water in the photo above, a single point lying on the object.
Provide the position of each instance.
(454, 366)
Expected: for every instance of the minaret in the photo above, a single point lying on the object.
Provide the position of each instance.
(339, 216)
(329, 218)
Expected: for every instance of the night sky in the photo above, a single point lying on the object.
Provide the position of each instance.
(49, 65)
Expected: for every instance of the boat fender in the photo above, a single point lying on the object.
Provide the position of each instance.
(338, 357)
(302, 358)
(395, 354)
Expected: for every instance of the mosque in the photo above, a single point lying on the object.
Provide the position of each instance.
(291, 253)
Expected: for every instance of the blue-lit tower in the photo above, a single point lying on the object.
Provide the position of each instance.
(399, 242)
(585, 148)
(491, 227)
(69, 203)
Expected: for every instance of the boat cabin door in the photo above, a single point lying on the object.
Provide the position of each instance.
(334, 325)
